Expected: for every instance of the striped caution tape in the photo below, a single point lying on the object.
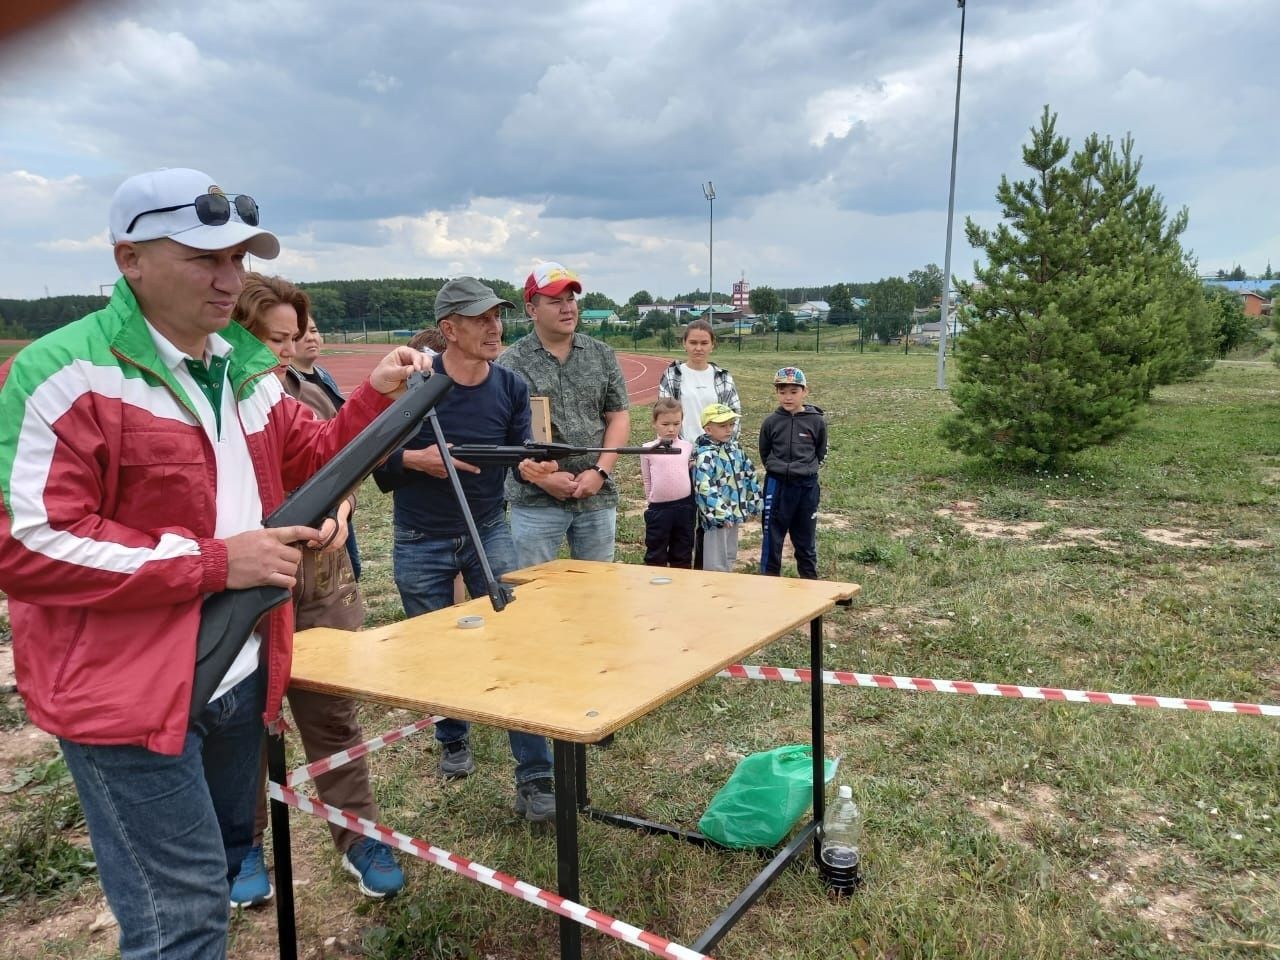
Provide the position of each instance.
(312, 770)
(594, 919)
(740, 671)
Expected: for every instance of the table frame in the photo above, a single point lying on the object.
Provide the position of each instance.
(573, 801)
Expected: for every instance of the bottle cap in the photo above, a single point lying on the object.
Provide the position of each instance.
(845, 792)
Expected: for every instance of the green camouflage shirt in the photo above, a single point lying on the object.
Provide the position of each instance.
(582, 390)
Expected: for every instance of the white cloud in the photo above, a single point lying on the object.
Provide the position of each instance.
(380, 82)
(481, 230)
(99, 241)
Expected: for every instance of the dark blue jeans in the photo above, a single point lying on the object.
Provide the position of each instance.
(790, 509)
(425, 566)
(170, 832)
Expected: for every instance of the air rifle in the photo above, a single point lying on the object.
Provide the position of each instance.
(227, 619)
(483, 454)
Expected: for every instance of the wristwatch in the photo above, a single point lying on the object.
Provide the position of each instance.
(600, 470)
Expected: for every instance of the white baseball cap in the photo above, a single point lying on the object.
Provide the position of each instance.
(187, 206)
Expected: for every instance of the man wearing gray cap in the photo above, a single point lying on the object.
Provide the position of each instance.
(488, 405)
(140, 448)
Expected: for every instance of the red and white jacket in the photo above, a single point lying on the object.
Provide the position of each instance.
(106, 525)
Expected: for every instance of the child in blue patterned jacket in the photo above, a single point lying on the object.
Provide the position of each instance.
(724, 485)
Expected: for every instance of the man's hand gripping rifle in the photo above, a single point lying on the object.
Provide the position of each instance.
(227, 619)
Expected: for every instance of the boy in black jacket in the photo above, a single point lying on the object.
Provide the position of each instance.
(793, 444)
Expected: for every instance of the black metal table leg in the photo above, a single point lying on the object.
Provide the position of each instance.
(580, 755)
(285, 923)
(566, 772)
(817, 728)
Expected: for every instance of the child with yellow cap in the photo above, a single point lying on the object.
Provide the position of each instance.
(724, 485)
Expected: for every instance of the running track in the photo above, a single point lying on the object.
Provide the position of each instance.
(350, 363)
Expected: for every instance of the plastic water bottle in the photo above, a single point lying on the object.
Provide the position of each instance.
(840, 854)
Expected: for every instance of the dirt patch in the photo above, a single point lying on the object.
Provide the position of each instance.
(1124, 889)
(964, 513)
(1122, 881)
(1176, 537)
(87, 921)
(20, 747)
(834, 521)
(1190, 538)
(989, 529)
(1009, 820)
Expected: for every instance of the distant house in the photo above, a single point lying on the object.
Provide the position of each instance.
(927, 333)
(1254, 303)
(675, 309)
(597, 317)
(720, 313)
(811, 308)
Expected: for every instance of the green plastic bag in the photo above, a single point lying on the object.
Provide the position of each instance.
(767, 793)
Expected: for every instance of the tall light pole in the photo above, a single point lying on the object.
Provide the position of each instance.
(709, 192)
(944, 308)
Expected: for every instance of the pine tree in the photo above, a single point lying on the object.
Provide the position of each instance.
(1084, 305)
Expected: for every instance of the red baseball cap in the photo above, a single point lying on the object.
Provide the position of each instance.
(550, 279)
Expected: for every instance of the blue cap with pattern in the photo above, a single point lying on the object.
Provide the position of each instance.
(789, 375)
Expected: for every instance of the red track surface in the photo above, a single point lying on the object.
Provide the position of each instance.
(350, 363)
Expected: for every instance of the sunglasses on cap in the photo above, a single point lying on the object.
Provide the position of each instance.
(212, 209)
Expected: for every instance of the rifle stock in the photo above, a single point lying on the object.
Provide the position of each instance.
(227, 619)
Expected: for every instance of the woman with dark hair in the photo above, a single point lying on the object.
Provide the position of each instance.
(697, 382)
(326, 595)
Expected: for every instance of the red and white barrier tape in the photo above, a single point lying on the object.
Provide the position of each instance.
(739, 671)
(594, 919)
(312, 770)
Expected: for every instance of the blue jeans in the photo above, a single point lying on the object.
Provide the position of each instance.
(539, 531)
(425, 566)
(169, 832)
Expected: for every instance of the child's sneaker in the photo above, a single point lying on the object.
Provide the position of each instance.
(536, 800)
(252, 886)
(374, 865)
(456, 761)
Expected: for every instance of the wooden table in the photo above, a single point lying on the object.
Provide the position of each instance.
(585, 649)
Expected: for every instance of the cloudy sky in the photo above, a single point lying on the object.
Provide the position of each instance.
(440, 138)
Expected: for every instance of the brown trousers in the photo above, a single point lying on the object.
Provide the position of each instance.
(326, 725)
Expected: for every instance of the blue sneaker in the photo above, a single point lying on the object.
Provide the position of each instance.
(374, 865)
(252, 886)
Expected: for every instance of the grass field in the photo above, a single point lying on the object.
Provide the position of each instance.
(995, 828)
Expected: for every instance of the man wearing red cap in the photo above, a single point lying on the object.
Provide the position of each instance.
(581, 378)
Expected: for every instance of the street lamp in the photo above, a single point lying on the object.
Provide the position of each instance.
(709, 192)
(944, 308)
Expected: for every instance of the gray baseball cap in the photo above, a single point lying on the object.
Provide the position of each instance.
(468, 297)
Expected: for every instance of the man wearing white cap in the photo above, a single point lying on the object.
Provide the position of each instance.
(589, 408)
(140, 448)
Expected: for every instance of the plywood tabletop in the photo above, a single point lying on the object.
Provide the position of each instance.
(583, 650)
